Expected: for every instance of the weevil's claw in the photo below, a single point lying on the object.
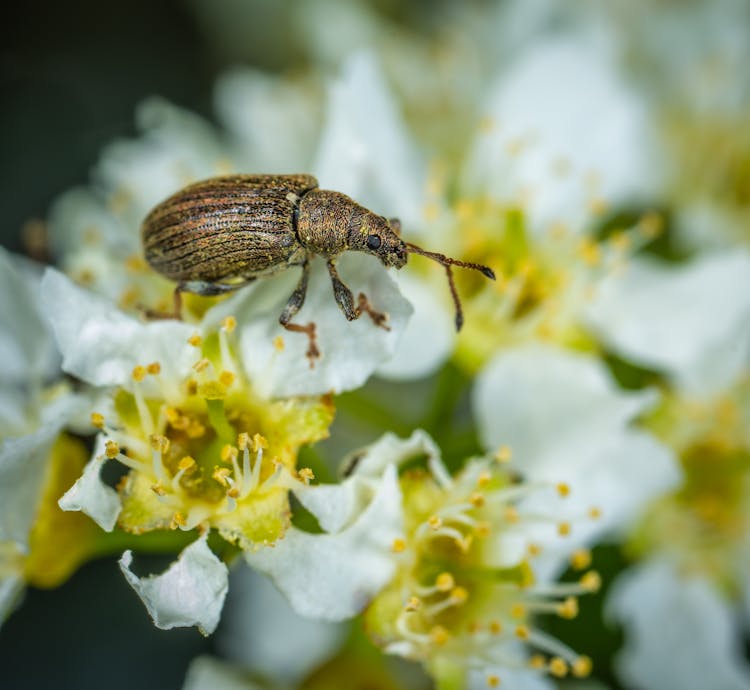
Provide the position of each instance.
(308, 329)
(380, 319)
(487, 271)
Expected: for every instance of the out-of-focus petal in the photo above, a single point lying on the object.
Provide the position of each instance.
(91, 495)
(429, 336)
(691, 320)
(365, 150)
(208, 673)
(565, 135)
(190, 592)
(681, 632)
(334, 576)
(260, 631)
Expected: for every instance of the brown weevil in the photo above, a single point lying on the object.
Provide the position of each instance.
(217, 235)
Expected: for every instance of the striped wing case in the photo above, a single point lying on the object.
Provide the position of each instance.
(238, 225)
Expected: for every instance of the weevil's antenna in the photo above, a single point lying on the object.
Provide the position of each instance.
(449, 263)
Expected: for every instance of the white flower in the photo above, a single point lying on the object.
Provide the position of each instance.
(563, 419)
(208, 673)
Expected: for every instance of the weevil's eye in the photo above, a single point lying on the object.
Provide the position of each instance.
(373, 242)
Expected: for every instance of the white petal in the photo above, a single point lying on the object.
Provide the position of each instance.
(542, 401)
(208, 673)
(190, 592)
(429, 336)
(573, 120)
(27, 350)
(334, 576)
(350, 351)
(337, 505)
(23, 464)
(566, 422)
(512, 678)
(691, 320)
(260, 631)
(680, 631)
(273, 121)
(101, 345)
(11, 589)
(91, 495)
(365, 150)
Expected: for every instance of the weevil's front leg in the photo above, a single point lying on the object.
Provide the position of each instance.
(345, 300)
(197, 287)
(294, 304)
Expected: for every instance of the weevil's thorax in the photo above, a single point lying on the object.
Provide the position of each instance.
(323, 221)
(330, 223)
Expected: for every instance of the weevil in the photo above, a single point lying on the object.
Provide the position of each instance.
(217, 235)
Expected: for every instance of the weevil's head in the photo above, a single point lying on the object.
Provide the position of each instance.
(379, 236)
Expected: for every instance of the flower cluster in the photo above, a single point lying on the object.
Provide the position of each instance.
(598, 395)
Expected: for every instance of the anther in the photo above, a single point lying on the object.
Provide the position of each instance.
(563, 529)
(413, 604)
(243, 440)
(278, 343)
(580, 559)
(229, 324)
(518, 611)
(496, 627)
(201, 364)
(533, 549)
(306, 474)
(226, 378)
(594, 513)
(522, 632)
(221, 474)
(229, 453)
(558, 667)
(97, 420)
(178, 520)
(439, 635)
(111, 449)
(511, 514)
(139, 373)
(398, 545)
(435, 522)
(503, 454)
(445, 582)
(195, 340)
(493, 681)
(459, 595)
(563, 489)
(477, 499)
(158, 489)
(581, 667)
(159, 443)
(591, 581)
(154, 368)
(483, 529)
(259, 442)
(484, 479)
(538, 662)
(568, 608)
(186, 463)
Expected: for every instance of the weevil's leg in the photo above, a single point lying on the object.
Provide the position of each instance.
(379, 318)
(294, 304)
(343, 294)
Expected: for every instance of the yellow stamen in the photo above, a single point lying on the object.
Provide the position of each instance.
(537, 662)
(459, 595)
(558, 667)
(226, 378)
(97, 420)
(201, 364)
(398, 545)
(154, 368)
(228, 452)
(278, 343)
(496, 627)
(186, 463)
(243, 440)
(493, 681)
(220, 474)
(439, 635)
(563, 529)
(591, 581)
(518, 611)
(259, 442)
(581, 559)
(445, 582)
(483, 479)
(435, 522)
(195, 340)
(582, 667)
(178, 520)
(139, 373)
(158, 489)
(563, 489)
(306, 474)
(595, 513)
(111, 449)
(568, 608)
(503, 454)
(159, 443)
(413, 604)
(511, 514)
(229, 324)
(522, 632)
